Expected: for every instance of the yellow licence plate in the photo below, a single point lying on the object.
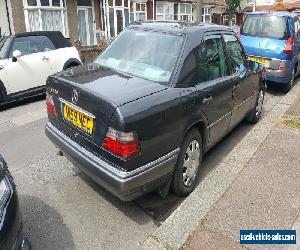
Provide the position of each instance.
(260, 60)
(79, 119)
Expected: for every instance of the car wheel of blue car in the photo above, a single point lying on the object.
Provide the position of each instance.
(288, 86)
(187, 167)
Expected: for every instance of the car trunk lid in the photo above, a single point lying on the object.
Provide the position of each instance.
(95, 92)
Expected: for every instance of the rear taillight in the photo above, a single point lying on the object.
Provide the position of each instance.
(289, 46)
(121, 144)
(50, 105)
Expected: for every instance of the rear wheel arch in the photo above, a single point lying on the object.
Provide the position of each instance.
(72, 62)
(202, 129)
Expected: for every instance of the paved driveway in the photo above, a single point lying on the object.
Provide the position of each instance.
(64, 209)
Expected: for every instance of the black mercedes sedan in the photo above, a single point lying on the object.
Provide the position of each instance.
(11, 234)
(141, 117)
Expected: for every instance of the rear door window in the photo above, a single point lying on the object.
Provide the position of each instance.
(266, 26)
(187, 75)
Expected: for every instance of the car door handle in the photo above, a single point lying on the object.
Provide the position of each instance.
(45, 58)
(1, 67)
(236, 86)
(207, 100)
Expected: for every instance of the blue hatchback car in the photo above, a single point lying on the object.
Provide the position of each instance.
(273, 40)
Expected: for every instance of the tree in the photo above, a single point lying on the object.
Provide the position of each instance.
(232, 6)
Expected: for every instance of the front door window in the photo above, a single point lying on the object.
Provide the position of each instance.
(86, 22)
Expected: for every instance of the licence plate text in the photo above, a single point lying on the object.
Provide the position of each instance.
(78, 118)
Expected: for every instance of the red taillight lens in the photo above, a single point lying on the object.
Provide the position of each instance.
(289, 46)
(50, 105)
(121, 144)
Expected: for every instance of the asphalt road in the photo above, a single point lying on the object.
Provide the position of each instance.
(62, 208)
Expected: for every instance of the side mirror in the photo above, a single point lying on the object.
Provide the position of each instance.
(16, 54)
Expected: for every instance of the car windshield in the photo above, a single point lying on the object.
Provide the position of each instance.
(145, 54)
(3, 46)
(267, 26)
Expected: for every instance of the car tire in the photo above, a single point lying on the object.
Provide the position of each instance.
(1, 101)
(254, 116)
(188, 163)
(288, 86)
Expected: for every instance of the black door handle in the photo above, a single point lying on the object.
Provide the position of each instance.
(236, 86)
(207, 100)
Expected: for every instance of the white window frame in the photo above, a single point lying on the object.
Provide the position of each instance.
(135, 12)
(225, 18)
(165, 14)
(206, 12)
(185, 13)
(39, 7)
(106, 7)
(81, 7)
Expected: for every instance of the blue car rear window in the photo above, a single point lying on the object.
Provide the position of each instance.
(267, 26)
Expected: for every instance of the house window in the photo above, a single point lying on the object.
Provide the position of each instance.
(86, 23)
(231, 22)
(206, 16)
(46, 15)
(249, 1)
(116, 14)
(138, 11)
(164, 11)
(183, 12)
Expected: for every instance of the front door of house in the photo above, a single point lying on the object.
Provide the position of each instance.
(86, 22)
(119, 20)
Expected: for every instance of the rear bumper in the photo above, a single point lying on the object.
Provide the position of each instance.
(280, 76)
(127, 185)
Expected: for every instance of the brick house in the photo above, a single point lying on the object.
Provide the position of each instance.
(91, 20)
(271, 5)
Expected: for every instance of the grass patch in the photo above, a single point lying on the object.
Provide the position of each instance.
(289, 122)
(293, 123)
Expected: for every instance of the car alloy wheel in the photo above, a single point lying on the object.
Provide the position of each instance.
(259, 104)
(288, 86)
(189, 160)
(191, 163)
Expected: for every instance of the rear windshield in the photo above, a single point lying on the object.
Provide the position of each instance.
(145, 54)
(268, 26)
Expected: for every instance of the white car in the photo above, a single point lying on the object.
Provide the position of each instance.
(27, 59)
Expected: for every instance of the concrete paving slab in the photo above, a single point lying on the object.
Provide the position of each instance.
(266, 194)
(208, 240)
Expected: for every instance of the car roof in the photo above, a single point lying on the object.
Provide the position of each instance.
(177, 27)
(57, 38)
(274, 13)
